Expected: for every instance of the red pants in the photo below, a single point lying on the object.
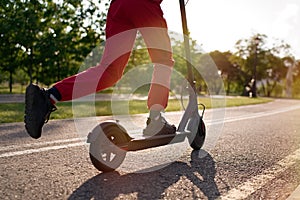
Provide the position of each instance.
(124, 19)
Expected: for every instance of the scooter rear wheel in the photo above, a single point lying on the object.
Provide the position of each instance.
(199, 138)
(105, 153)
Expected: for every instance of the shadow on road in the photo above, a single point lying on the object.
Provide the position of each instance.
(200, 171)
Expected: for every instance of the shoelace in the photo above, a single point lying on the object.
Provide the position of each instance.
(162, 119)
(52, 109)
(165, 121)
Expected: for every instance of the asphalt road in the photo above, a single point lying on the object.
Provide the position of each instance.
(252, 152)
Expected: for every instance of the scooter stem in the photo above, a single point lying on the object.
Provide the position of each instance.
(186, 44)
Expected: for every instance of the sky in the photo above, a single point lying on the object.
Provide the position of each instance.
(219, 24)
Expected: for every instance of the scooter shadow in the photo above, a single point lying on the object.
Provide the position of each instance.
(200, 171)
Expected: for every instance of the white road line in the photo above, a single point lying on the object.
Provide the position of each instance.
(42, 149)
(254, 115)
(253, 184)
(295, 195)
(14, 148)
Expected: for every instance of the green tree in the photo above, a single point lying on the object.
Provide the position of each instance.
(210, 74)
(296, 79)
(49, 39)
(181, 62)
(262, 61)
(10, 49)
(229, 71)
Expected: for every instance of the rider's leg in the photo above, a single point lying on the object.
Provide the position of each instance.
(118, 46)
(153, 28)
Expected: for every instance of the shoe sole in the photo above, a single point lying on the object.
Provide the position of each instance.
(34, 130)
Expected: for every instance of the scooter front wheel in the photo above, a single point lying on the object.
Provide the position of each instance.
(199, 138)
(105, 152)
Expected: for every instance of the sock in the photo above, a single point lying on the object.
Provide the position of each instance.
(154, 114)
(55, 96)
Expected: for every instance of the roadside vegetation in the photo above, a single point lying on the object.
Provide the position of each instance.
(14, 112)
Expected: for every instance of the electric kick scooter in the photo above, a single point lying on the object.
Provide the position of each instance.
(109, 141)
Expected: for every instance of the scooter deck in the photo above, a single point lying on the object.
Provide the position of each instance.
(141, 142)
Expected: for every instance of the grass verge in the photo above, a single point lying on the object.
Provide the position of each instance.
(14, 112)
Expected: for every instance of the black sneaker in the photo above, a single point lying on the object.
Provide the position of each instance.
(38, 108)
(158, 126)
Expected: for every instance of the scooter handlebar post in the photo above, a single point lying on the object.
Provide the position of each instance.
(186, 43)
